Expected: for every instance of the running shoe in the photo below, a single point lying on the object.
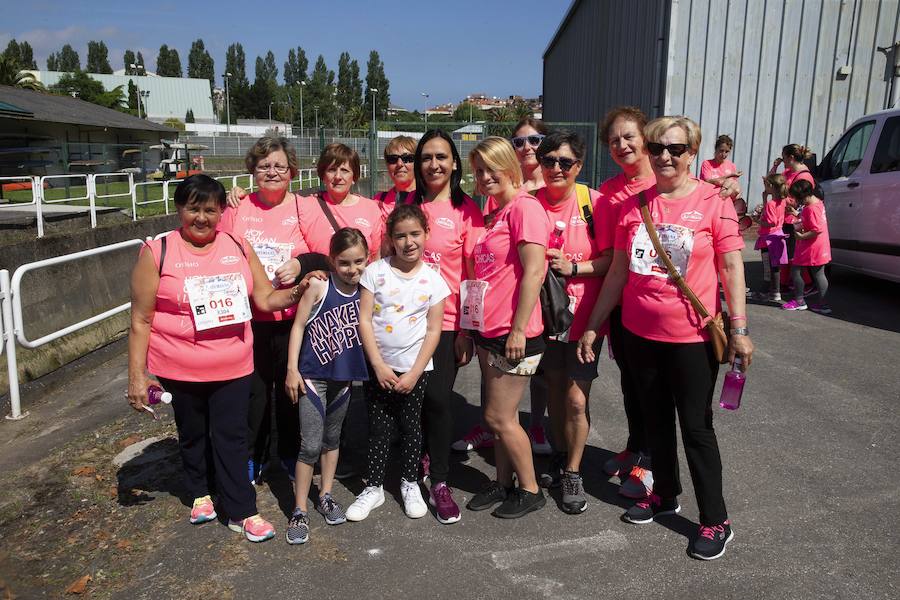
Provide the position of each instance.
(638, 484)
(711, 541)
(489, 495)
(368, 500)
(621, 462)
(794, 305)
(413, 504)
(644, 511)
(203, 510)
(255, 528)
(822, 309)
(298, 528)
(552, 477)
(519, 503)
(425, 467)
(574, 501)
(477, 438)
(441, 498)
(539, 443)
(329, 508)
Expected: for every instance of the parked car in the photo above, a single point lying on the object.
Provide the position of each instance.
(861, 180)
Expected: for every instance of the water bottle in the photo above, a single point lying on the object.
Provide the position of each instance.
(733, 386)
(556, 238)
(155, 395)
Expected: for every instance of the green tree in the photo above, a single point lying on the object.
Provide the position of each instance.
(201, 64)
(377, 80)
(520, 110)
(238, 84)
(174, 123)
(21, 54)
(89, 89)
(168, 64)
(98, 58)
(189, 116)
(295, 67)
(65, 60)
(52, 62)
(468, 111)
(132, 97)
(140, 61)
(501, 114)
(319, 93)
(129, 59)
(12, 75)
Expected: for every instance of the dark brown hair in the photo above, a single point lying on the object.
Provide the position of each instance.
(403, 212)
(338, 154)
(724, 139)
(346, 238)
(535, 124)
(629, 113)
(797, 152)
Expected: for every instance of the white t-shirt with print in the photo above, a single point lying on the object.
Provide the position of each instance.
(399, 316)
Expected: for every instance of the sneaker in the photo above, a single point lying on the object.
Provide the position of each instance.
(539, 443)
(369, 499)
(329, 508)
(794, 305)
(203, 510)
(490, 495)
(255, 528)
(413, 503)
(621, 462)
(711, 541)
(773, 297)
(441, 498)
(573, 500)
(425, 467)
(649, 508)
(638, 484)
(552, 477)
(477, 438)
(519, 503)
(298, 528)
(822, 309)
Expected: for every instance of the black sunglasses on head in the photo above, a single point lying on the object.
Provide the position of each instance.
(392, 159)
(533, 140)
(676, 150)
(565, 164)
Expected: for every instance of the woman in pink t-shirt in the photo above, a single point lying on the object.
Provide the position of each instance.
(813, 250)
(399, 154)
(190, 327)
(510, 264)
(672, 362)
(719, 170)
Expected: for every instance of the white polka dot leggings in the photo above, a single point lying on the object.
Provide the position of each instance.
(389, 412)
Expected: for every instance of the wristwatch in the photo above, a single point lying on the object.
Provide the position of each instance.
(574, 268)
(740, 331)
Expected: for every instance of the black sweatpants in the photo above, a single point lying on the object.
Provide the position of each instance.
(637, 430)
(680, 378)
(390, 412)
(437, 413)
(212, 422)
(270, 348)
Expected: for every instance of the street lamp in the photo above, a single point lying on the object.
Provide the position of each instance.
(227, 105)
(270, 113)
(373, 91)
(302, 85)
(316, 108)
(425, 95)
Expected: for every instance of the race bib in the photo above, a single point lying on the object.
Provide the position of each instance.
(471, 304)
(678, 242)
(272, 255)
(218, 300)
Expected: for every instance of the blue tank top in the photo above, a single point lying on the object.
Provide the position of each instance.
(331, 348)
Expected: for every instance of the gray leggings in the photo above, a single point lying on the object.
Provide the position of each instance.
(322, 412)
(818, 276)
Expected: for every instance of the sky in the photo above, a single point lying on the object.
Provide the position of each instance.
(448, 49)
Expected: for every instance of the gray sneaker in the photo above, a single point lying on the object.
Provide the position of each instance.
(573, 500)
(331, 510)
(298, 528)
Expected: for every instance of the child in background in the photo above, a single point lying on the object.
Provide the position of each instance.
(813, 249)
(401, 311)
(325, 357)
(771, 242)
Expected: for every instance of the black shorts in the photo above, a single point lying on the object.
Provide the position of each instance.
(562, 356)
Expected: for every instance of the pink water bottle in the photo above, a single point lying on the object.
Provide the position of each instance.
(556, 238)
(733, 386)
(155, 395)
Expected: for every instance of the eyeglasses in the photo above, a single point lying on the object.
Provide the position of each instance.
(676, 150)
(392, 159)
(280, 169)
(534, 141)
(548, 162)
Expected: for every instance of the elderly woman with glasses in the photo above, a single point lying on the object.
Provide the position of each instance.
(671, 358)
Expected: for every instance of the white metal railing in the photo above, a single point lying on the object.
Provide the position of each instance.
(143, 186)
(9, 345)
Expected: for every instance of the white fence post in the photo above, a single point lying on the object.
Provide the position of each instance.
(9, 344)
(92, 198)
(38, 199)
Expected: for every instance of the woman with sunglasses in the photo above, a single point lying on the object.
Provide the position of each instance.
(668, 348)
(399, 155)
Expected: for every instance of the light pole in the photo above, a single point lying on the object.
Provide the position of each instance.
(270, 113)
(425, 95)
(373, 91)
(302, 85)
(227, 105)
(317, 117)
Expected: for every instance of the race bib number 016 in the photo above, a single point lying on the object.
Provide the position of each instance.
(676, 239)
(471, 304)
(218, 300)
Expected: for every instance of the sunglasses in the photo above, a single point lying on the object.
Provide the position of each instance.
(534, 141)
(392, 159)
(676, 150)
(548, 162)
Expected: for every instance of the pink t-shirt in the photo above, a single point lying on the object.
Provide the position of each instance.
(694, 229)
(490, 205)
(814, 251)
(451, 240)
(789, 178)
(177, 351)
(613, 192)
(522, 220)
(317, 230)
(579, 246)
(773, 212)
(274, 234)
(710, 170)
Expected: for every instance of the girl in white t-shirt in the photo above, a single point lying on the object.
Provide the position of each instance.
(401, 308)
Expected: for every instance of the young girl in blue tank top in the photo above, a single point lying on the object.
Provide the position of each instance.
(325, 356)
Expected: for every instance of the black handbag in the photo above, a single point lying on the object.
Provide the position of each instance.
(555, 304)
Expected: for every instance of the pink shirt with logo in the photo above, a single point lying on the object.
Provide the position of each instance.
(579, 246)
(710, 170)
(497, 261)
(613, 192)
(814, 251)
(265, 228)
(694, 229)
(317, 230)
(773, 212)
(789, 178)
(177, 351)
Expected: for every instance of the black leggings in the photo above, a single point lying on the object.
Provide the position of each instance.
(390, 412)
(817, 274)
(437, 413)
(212, 427)
(270, 346)
(680, 378)
(637, 434)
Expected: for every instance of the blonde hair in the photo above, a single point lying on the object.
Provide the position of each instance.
(778, 183)
(401, 142)
(497, 154)
(657, 127)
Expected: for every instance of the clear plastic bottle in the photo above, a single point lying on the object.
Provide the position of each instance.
(155, 395)
(733, 386)
(556, 238)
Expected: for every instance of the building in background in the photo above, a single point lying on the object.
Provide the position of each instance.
(766, 73)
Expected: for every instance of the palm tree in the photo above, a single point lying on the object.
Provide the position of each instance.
(12, 76)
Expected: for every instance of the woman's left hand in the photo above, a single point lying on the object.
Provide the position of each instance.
(288, 272)
(515, 346)
(559, 263)
(741, 345)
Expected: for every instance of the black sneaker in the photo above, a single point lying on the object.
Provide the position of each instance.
(488, 497)
(519, 503)
(711, 541)
(573, 499)
(644, 511)
(298, 528)
(552, 477)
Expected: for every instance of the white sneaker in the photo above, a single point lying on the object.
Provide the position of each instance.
(369, 499)
(413, 503)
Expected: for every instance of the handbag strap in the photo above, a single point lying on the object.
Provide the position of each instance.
(674, 275)
(324, 206)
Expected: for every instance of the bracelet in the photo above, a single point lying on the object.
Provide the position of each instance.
(738, 317)
(740, 331)
(574, 269)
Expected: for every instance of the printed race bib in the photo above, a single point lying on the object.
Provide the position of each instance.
(471, 304)
(272, 255)
(218, 300)
(676, 239)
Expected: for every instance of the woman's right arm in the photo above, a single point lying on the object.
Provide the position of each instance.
(610, 294)
(144, 286)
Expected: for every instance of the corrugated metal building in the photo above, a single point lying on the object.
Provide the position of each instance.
(766, 72)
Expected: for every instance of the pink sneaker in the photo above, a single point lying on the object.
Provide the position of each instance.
(444, 506)
(478, 437)
(203, 510)
(794, 305)
(255, 528)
